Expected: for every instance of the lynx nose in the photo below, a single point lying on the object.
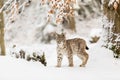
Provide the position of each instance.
(60, 42)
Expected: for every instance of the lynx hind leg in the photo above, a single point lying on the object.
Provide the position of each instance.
(84, 57)
(59, 59)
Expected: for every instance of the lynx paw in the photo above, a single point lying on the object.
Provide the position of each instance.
(71, 65)
(82, 65)
(58, 66)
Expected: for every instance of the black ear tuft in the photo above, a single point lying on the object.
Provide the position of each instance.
(87, 48)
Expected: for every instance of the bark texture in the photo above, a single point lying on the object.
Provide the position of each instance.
(113, 16)
(2, 42)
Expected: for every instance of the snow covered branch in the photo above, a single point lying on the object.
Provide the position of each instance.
(14, 7)
(60, 8)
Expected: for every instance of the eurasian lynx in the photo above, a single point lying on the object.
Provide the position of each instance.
(70, 47)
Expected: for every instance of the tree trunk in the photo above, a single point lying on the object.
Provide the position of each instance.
(113, 16)
(2, 43)
(69, 23)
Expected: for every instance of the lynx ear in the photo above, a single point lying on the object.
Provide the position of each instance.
(56, 35)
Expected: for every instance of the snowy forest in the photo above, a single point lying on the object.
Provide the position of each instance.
(59, 39)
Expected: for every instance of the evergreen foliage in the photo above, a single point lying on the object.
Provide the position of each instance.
(116, 51)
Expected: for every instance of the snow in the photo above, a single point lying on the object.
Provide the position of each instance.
(101, 64)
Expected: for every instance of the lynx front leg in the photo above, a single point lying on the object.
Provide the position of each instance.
(59, 59)
(70, 59)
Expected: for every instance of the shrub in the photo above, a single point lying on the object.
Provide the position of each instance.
(116, 51)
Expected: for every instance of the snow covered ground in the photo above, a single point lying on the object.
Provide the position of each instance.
(101, 66)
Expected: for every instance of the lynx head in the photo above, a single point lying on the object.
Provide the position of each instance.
(60, 38)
